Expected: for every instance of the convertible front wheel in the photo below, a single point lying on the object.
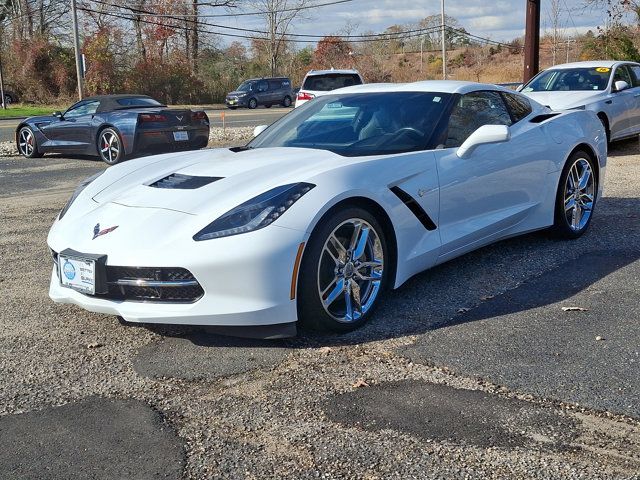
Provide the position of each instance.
(110, 146)
(343, 272)
(27, 145)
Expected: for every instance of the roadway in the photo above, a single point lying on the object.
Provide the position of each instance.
(233, 118)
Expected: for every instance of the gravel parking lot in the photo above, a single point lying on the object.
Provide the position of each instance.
(470, 370)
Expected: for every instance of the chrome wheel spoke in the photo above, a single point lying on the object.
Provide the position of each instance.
(342, 252)
(569, 203)
(361, 243)
(347, 301)
(584, 179)
(355, 293)
(335, 293)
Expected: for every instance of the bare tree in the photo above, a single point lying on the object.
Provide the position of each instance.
(278, 16)
(557, 25)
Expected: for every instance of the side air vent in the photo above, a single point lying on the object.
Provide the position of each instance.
(415, 208)
(543, 117)
(183, 182)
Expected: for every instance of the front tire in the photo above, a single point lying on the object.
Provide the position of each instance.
(576, 196)
(110, 146)
(27, 144)
(344, 271)
(253, 103)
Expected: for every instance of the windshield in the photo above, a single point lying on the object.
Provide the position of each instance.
(360, 124)
(139, 102)
(246, 86)
(330, 81)
(570, 79)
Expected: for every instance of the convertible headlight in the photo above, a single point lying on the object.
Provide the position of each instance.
(84, 184)
(257, 213)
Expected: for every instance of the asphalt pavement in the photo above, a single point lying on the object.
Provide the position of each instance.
(232, 118)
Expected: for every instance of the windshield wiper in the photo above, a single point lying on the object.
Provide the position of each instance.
(241, 149)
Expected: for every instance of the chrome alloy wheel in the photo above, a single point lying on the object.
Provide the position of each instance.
(109, 146)
(26, 142)
(350, 270)
(579, 194)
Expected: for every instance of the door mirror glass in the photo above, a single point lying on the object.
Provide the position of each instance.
(57, 114)
(259, 129)
(483, 135)
(620, 85)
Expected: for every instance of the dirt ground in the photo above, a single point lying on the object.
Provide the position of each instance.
(470, 370)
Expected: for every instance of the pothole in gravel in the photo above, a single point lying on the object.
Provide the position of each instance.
(203, 356)
(96, 438)
(442, 413)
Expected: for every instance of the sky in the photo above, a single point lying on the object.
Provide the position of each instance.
(500, 20)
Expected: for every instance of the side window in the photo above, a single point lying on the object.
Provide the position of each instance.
(635, 73)
(472, 111)
(519, 106)
(263, 86)
(85, 108)
(275, 84)
(622, 74)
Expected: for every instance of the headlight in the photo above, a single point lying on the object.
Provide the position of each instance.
(77, 192)
(255, 214)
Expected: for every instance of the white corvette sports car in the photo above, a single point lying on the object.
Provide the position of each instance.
(349, 194)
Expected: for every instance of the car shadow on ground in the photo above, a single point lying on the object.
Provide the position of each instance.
(451, 293)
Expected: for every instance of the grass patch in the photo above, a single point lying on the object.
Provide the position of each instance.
(20, 110)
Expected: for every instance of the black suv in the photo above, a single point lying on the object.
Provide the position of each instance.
(261, 91)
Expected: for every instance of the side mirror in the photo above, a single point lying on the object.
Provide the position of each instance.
(57, 114)
(483, 135)
(519, 87)
(620, 85)
(259, 129)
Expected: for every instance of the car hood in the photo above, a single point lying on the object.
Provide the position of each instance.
(235, 177)
(563, 100)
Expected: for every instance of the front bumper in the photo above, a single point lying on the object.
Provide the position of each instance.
(246, 279)
(236, 102)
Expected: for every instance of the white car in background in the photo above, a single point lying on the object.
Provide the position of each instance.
(319, 82)
(313, 219)
(610, 89)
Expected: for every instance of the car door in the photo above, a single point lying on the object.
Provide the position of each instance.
(486, 194)
(634, 114)
(622, 104)
(263, 92)
(74, 131)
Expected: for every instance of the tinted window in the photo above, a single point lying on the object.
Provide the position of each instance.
(472, 111)
(635, 71)
(138, 102)
(330, 81)
(263, 86)
(358, 125)
(569, 79)
(82, 108)
(518, 105)
(622, 74)
(275, 84)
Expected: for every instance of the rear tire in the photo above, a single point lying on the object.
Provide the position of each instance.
(253, 103)
(110, 147)
(27, 143)
(344, 271)
(286, 102)
(576, 196)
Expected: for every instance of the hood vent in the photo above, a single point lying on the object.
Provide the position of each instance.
(183, 182)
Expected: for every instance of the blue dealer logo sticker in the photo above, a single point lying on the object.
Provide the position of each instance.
(69, 270)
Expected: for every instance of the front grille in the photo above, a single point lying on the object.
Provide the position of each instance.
(152, 284)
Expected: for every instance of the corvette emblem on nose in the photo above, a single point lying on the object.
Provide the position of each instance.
(97, 232)
(179, 117)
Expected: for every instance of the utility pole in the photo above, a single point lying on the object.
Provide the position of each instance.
(76, 44)
(444, 44)
(532, 40)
